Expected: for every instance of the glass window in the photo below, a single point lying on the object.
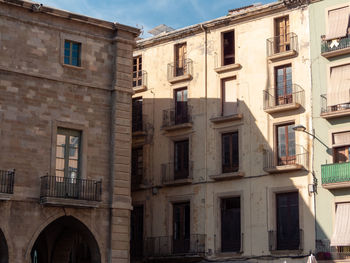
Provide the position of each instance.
(72, 52)
(230, 152)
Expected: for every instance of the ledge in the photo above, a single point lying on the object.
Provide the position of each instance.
(181, 126)
(138, 89)
(226, 68)
(336, 185)
(54, 201)
(227, 176)
(335, 53)
(283, 55)
(5, 197)
(229, 118)
(178, 182)
(286, 252)
(335, 114)
(284, 107)
(180, 78)
(284, 168)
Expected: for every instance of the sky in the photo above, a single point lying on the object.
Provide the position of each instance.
(147, 14)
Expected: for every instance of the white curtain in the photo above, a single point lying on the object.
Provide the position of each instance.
(230, 97)
(338, 21)
(341, 234)
(338, 90)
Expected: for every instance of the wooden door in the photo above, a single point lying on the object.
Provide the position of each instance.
(286, 145)
(180, 59)
(282, 36)
(283, 84)
(181, 228)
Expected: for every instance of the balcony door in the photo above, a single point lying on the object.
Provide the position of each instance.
(181, 162)
(180, 59)
(181, 109)
(136, 242)
(137, 114)
(283, 83)
(282, 36)
(229, 96)
(286, 144)
(341, 147)
(181, 228)
(231, 224)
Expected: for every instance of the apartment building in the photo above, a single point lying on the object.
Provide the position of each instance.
(219, 168)
(65, 136)
(330, 58)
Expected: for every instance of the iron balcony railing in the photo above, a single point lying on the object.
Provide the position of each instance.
(283, 43)
(139, 122)
(335, 173)
(333, 45)
(7, 179)
(180, 68)
(325, 108)
(140, 79)
(177, 115)
(70, 188)
(324, 251)
(166, 246)
(299, 156)
(296, 243)
(288, 95)
(171, 173)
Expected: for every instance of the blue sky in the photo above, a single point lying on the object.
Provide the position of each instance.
(150, 13)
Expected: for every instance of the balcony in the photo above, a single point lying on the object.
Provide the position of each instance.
(140, 83)
(276, 100)
(64, 191)
(295, 244)
(139, 129)
(6, 184)
(335, 175)
(279, 49)
(172, 176)
(177, 73)
(219, 68)
(333, 111)
(275, 164)
(167, 246)
(177, 119)
(335, 47)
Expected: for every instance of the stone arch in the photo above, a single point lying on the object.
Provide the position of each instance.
(66, 240)
(4, 253)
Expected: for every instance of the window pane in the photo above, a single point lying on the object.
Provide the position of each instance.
(226, 149)
(61, 140)
(59, 151)
(59, 173)
(59, 163)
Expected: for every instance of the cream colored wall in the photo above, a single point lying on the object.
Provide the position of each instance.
(256, 133)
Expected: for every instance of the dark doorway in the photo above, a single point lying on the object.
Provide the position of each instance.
(136, 244)
(66, 240)
(4, 256)
(231, 224)
(181, 225)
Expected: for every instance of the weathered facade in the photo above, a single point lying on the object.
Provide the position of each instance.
(65, 129)
(330, 56)
(218, 170)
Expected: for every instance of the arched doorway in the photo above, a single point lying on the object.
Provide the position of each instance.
(65, 240)
(4, 254)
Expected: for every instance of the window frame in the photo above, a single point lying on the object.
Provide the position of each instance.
(137, 74)
(137, 116)
(223, 47)
(232, 168)
(287, 97)
(278, 163)
(135, 171)
(180, 71)
(70, 57)
(183, 117)
(286, 45)
(184, 172)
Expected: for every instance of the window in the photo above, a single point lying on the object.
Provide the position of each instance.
(136, 166)
(137, 115)
(72, 53)
(231, 224)
(180, 59)
(181, 109)
(228, 48)
(137, 71)
(68, 153)
(229, 96)
(287, 212)
(341, 147)
(136, 232)
(181, 160)
(230, 159)
(181, 227)
(282, 35)
(338, 23)
(284, 87)
(338, 92)
(286, 144)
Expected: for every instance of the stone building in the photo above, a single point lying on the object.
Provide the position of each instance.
(65, 136)
(219, 171)
(330, 56)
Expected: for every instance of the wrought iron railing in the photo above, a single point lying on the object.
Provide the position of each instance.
(177, 69)
(174, 116)
(335, 173)
(333, 45)
(296, 244)
(300, 157)
(275, 97)
(279, 44)
(171, 174)
(140, 80)
(7, 179)
(166, 246)
(70, 188)
(139, 122)
(325, 108)
(324, 251)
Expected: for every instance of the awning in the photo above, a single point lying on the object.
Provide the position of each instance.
(338, 90)
(338, 22)
(341, 234)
